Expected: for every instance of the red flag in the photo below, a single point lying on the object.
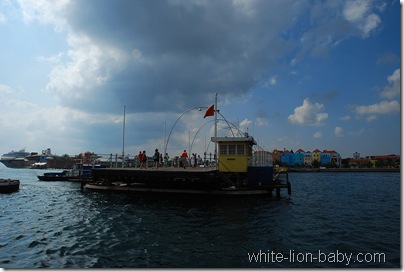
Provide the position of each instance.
(210, 111)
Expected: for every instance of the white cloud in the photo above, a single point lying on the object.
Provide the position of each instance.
(359, 13)
(308, 114)
(45, 12)
(392, 90)
(4, 89)
(338, 131)
(384, 107)
(90, 65)
(370, 118)
(345, 118)
(245, 124)
(273, 80)
(261, 122)
(318, 134)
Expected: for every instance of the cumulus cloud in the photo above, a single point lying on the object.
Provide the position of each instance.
(128, 52)
(308, 114)
(245, 124)
(392, 90)
(188, 49)
(359, 13)
(339, 131)
(45, 12)
(383, 107)
(90, 67)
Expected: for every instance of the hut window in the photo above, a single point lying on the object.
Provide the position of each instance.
(240, 149)
(232, 149)
(223, 149)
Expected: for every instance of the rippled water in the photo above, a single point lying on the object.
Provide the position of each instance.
(55, 225)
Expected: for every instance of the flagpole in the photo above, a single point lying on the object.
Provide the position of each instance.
(216, 110)
(123, 138)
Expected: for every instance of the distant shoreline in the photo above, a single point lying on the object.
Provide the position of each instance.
(311, 170)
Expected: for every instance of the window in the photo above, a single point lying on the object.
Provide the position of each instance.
(232, 149)
(240, 149)
(223, 149)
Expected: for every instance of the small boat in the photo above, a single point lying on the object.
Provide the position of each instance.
(55, 176)
(79, 172)
(9, 185)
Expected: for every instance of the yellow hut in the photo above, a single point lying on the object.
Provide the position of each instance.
(234, 153)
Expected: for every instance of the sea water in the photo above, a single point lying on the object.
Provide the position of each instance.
(344, 220)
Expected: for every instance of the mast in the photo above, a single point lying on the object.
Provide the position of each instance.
(216, 110)
(123, 138)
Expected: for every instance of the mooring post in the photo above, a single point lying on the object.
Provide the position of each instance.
(278, 193)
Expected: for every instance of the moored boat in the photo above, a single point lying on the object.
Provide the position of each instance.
(24, 159)
(54, 176)
(9, 185)
(80, 172)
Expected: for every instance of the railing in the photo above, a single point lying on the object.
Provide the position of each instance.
(261, 158)
(132, 161)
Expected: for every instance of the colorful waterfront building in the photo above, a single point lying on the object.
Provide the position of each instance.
(330, 156)
(389, 161)
(288, 157)
(308, 159)
(276, 155)
(299, 157)
(316, 155)
(325, 157)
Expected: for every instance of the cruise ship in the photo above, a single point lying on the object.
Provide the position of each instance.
(22, 158)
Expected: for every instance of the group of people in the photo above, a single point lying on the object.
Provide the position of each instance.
(142, 157)
(194, 160)
(158, 160)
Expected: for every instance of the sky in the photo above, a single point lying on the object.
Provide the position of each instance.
(293, 74)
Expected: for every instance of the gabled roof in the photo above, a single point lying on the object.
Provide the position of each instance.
(329, 151)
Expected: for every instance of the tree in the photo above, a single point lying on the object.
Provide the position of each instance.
(315, 163)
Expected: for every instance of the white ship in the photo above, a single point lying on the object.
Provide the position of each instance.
(23, 159)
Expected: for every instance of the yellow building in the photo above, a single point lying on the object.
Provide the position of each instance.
(316, 155)
(234, 153)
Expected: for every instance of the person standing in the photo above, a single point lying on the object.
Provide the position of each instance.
(144, 159)
(156, 158)
(184, 158)
(199, 160)
(166, 160)
(140, 159)
(195, 161)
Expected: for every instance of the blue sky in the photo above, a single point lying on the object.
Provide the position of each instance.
(294, 74)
